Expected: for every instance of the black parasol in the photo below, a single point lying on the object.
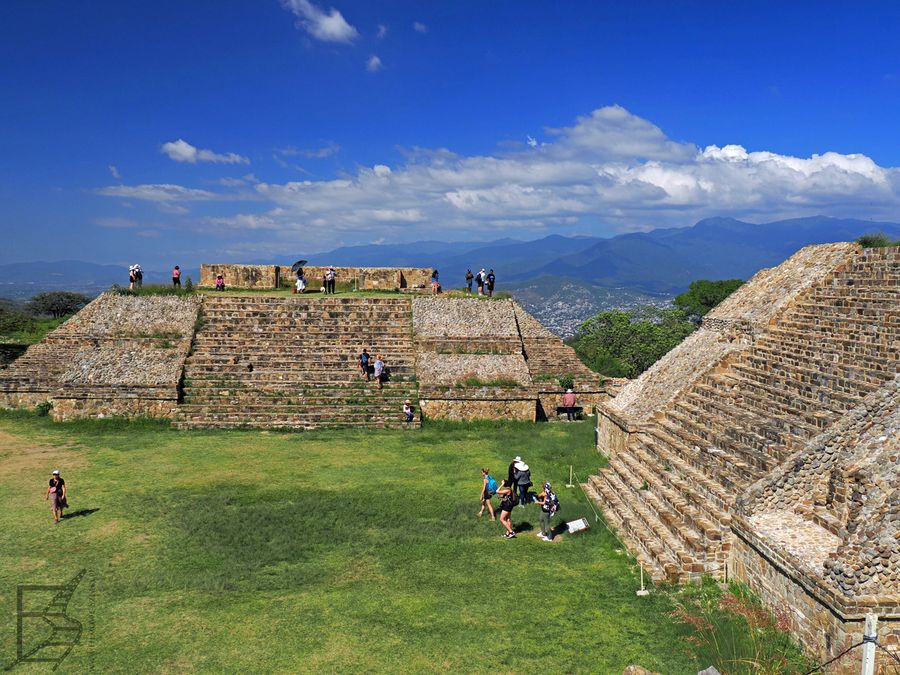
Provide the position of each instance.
(297, 265)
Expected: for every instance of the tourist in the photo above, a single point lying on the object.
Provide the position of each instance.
(220, 282)
(56, 493)
(569, 404)
(511, 471)
(435, 284)
(364, 364)
(523, 480)
(379, 371)
(330, 276)
(138, 277)
(549, 506)
(131, 277)
(479, 281)
(469, 277)
(488, 490)
(408, 411)
(490, 279)
(300, 286)
(176, 277)
(507, 502)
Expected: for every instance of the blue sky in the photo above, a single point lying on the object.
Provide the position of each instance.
(238, 130)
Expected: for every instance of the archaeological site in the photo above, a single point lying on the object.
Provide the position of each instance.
(765, 447)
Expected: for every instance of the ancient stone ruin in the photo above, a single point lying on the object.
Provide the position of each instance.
(221, 360)
(765, 448)
(271, 277)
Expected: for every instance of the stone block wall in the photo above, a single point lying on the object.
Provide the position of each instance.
(463, 409)
(254, 277)
(367, 278)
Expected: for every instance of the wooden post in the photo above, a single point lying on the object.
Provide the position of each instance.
(870, 635)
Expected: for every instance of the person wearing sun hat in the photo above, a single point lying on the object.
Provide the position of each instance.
(511, 472)
(523, 480)
(408, 411)
(56, 493)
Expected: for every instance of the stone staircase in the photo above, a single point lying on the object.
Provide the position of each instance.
(291, 363)
(38, 370)
(671, 493)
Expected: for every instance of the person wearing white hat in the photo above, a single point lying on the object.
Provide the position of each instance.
(511, 472)
(569, 405)
(56, 493)
(523, 480)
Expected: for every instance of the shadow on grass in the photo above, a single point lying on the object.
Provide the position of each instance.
(80, 513)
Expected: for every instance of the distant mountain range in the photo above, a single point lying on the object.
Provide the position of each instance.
(547, 273)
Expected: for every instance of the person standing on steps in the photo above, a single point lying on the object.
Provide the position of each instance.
(379, 371)
(330, 276)
(469, 278)
(569, 404)
(176, 277)
(490, 279)
(523, 480)
(507, 502)
(488, 490)
(364, 364)
(549, 506)
(56, 493)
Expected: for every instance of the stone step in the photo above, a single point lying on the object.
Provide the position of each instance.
(809, 385)
(656, 561)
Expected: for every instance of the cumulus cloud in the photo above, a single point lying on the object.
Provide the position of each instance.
(609, 168)
(182, 151)
(420, 27)
(373, 65)
(330, 26)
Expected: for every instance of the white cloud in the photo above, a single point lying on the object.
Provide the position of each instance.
(114, 172)
(610, 168)
(326, 150)
(373, 65)
(532, 141)
(420, 27)
(327, 26)
(382, 31)
(116, 223)
(182, 151)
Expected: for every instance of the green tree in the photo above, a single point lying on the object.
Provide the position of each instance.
(57, 303)
(624, 344)
(702, 295)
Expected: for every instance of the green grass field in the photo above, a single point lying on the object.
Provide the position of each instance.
(329, 551)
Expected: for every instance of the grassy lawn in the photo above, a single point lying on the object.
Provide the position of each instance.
(326, 551)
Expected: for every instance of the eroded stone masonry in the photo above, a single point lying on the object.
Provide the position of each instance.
(222, 360)
(765, 447)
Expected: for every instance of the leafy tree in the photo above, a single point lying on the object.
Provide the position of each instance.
(57, 303)
(11, 322)
(702, 295)
(876, 240)
(624, 344)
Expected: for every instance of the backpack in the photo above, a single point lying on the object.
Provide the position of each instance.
(492, 485)
(551, 503)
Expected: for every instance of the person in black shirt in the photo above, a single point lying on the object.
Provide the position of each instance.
(490, 279)
(56, 493)
(507, 502)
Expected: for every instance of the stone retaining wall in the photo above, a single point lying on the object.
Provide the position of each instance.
(257, 277)
(367, 278)
(479, 409)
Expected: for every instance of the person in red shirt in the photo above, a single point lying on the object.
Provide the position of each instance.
(176, 277)
(569, 404)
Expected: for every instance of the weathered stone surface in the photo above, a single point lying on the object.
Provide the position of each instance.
(464, 317)
(435, 369)
(259, 277)
(473, 409)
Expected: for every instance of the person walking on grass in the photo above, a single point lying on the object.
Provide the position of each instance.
(408, 412)
(549, 506)
(488, 490)
(364, 364)
(507, 502)
(569, 404)
(469, 278)
(523, 481)
(56, 493)
(379, 371)
(176, 277)
(489, 280)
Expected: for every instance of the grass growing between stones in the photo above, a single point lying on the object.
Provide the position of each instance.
(327, 551)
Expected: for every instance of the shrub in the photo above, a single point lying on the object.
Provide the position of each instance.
(567, 382)
(43, 408)
(876, 240)
(188, 285)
